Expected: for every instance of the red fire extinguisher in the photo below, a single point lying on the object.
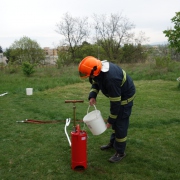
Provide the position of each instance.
(78, 142)
(78, 148)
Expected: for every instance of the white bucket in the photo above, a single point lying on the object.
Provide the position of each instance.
(29, 91)
(95, 122)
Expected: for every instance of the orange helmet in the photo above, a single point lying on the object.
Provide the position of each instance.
(89, 66)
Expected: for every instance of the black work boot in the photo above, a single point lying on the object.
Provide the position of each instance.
(117, 157)
(105, 147)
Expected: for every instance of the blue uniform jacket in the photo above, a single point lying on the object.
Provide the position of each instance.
(116, 85)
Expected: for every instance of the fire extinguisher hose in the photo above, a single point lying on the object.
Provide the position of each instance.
(42, 121)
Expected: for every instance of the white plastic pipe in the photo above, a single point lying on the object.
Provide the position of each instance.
(3, 94)
(67, 124)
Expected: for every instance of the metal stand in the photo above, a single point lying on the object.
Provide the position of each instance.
(74, 110)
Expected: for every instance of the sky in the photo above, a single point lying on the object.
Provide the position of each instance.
(38, 19)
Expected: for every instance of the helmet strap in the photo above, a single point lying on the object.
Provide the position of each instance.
(90, 80)
(92, 71)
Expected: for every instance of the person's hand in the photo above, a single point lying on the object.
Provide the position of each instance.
(92, 101)
(108, 125)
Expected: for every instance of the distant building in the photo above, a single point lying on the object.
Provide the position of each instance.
(51, 55)
(3, 59)
(54, 52)
(50, 52)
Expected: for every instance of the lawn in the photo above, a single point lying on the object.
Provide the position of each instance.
(41, 151)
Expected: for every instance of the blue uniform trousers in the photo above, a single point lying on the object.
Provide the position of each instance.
(119, 136)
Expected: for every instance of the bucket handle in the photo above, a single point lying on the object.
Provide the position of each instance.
(94, 107)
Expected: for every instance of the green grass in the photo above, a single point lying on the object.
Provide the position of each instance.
(41, 151)
(149, 71)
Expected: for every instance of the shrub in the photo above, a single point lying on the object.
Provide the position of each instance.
(165, 62)
(64, 58)
(11, 68)
(162, 61)
(28, 68)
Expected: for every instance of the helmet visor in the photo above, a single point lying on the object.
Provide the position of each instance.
(83, 75)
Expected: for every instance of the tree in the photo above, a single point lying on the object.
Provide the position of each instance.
(26, 49)
(87, 49)
(113, 32)
(173, 35)
(74, 30)
(8, 53)
(1, 51)
(133, 54)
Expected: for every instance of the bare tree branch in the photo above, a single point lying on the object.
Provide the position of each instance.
(74, 30)
(113, 32)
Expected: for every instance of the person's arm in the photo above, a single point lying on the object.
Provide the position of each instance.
(93, 93)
